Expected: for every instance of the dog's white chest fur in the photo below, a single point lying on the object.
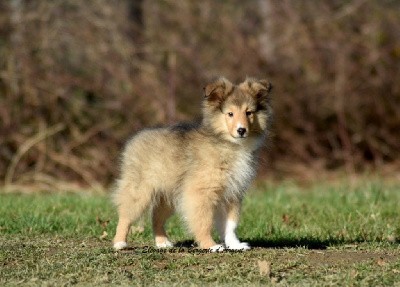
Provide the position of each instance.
(240, 175)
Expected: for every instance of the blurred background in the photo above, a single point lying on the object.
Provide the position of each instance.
(78, 78)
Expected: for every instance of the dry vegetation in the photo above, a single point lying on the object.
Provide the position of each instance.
(77, 78)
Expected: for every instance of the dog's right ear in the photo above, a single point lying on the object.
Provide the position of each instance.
(216, 91)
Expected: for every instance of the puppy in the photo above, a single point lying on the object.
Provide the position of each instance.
(200, 169)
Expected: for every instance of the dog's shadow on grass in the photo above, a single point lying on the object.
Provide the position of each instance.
(307, 243)
(277, 243)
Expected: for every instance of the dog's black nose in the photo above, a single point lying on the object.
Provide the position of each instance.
(241, 131)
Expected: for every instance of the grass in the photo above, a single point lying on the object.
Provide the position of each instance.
(322, 235)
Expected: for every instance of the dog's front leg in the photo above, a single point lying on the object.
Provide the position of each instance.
(227, 219)
(198, 212)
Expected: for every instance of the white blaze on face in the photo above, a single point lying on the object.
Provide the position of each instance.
(237, 119)
(239, 125)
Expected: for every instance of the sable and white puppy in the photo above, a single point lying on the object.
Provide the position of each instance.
(200, 169)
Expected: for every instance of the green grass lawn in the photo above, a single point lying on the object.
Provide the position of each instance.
(325, 234)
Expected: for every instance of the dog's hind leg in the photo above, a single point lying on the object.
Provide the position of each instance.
(161, 212)
(227, 218)
(130, 207)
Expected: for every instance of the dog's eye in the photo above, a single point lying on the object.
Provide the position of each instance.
(248, 113)
(230, 114)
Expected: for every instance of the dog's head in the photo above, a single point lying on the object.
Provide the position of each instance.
(238, 112)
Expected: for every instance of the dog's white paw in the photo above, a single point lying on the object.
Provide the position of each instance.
(216, 248)
(165, 244)
(120, 245)
(238, 246)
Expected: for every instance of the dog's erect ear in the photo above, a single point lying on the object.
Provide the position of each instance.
(260, 89)
(266, 84)
(216, 91)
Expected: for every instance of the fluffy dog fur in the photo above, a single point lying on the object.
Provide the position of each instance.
(201, 169)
